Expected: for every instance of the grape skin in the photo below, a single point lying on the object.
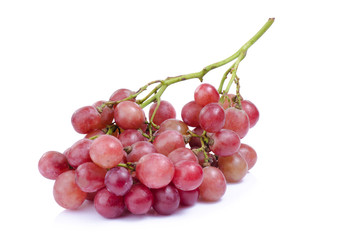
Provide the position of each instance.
(233, 167)
(108, 204)
(165, 111)
(90, 177)
(107, 151)
(140, 149)
(212, 118)
(52, 164)
(251, 110)
(155, 170)
(86, 119)
(168, 141)
(66, 192)
(118, 181)
(188, 175)
(206, 93)
(213, 186)
(225, 142)
(129, 115)
(166, 200)
(78, 153)
(249, 154)
(139, 199)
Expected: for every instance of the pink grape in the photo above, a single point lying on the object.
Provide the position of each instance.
(106, 151)
(181, 154)
(166, 200)
(189, 198)
(251, 110)
(174, 124)
(213, 186)
(52, 164)
(108, 204)
(139, 199)
(118, 181)
(188, 175)
(86, 119)
(237, 120)
(90, 177)
(121, 94)
(225, 142)
(212, 117)
(168, 141)
(91, 196)
(107, 114)
(129, 115)
(165, 111)
(66, 192)
(131, 136)
(190, 113)
(249, 154)
(140, 149)
(78, 153)
(155, 170)
(234, 167)
(206, 93)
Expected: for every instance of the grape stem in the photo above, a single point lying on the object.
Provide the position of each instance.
(159, 89)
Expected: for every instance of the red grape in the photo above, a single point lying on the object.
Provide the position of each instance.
(86, 119)
(165, 111)
(108, 204)
(166, 200)
(66, 192)
(225, 142)
(188, 175)
(168, 141)
(140, 149)
(90, 177)
(52, 164)
(181, 154)
(234, 167)
(190, 113)
(237, 120)
(173, 124)
(129, 115)
(249, 154)
(213, 186)
(212, 117)
(118, 181)
(139, 199)
(78, 153)
(205, 94)
(155, 170)
(106, 114)
(251, 110)
(131, 136)
(106, 151)
(189, 198)
(121, 94)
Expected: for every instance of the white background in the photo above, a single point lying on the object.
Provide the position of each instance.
(304, 75)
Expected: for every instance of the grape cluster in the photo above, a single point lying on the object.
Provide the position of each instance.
(128, 161)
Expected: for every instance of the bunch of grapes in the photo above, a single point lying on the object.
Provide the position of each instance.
(127, 161)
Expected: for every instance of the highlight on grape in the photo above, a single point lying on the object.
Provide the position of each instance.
(127, 160)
